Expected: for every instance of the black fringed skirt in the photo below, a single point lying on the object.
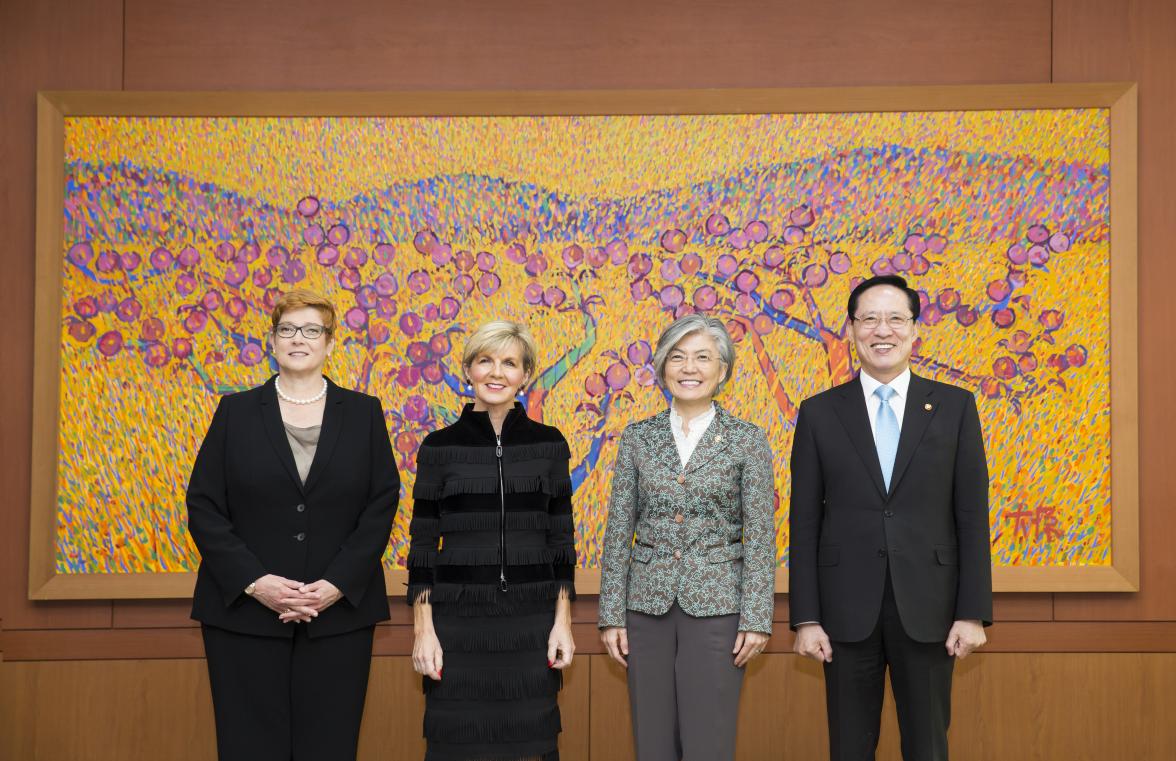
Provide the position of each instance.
(496, 700)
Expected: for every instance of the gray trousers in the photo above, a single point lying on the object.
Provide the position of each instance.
(683, 686)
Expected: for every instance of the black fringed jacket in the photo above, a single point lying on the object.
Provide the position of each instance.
(492, 518)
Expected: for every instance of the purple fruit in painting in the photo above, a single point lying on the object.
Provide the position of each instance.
(80, 254)
(308, 206)
(129, 309)
(314, 235)
(705, 297)
(639, 265)
(1003, 318)
(81, 330)
(1004, 368)
(572, 256)
(110, 343)
(746, 281)
(671, 296)
(1052, 319)
(673, 241)
(640, 290)
(756, 231)
(161, 258)
(670, 270)
(355, 257)
(489, 283)
(617, 376)
(251, 354)
(339, 234)
(419, 282)
(999, 290)
(717, 224)
(595, 385)
(424, 241)
(386, 307)
(554, 296)
(155, 355)
(355, 317)
(386, 284)
(383, 254)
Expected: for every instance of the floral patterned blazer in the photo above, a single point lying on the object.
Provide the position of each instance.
(703, 535)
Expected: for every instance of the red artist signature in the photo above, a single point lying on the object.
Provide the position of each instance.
(1040, 522)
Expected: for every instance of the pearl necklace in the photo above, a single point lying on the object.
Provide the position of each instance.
(292, 400)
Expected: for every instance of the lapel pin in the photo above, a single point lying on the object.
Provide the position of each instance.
(927, 407)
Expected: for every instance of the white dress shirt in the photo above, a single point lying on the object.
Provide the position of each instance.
(688, 441)
(897, 402)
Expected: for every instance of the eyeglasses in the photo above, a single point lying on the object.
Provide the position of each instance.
(894, 321)
(309, 332)
(701, 360)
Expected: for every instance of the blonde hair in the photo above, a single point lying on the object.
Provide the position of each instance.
(496, 335)
(304, 297)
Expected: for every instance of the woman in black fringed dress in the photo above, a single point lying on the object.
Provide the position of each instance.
(491, 566)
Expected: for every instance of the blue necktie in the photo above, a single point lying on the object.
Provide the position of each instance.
(886, 432)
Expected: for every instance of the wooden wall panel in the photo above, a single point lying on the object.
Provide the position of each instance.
(533, 44)
(99, 710)
(1029, 707)
(42, 46)
(1133, 40)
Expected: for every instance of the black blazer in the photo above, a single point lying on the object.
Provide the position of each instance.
(931, 527)
(250, 514)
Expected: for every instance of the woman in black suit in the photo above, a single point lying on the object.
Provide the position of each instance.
(290, 504)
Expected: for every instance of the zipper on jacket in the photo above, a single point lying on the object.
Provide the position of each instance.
(502, 515)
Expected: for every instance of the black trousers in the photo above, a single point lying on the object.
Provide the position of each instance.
(920, 676)
(278, 699)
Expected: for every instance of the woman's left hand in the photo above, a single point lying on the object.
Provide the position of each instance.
(747, 646)
(560, 646)
(317, 595)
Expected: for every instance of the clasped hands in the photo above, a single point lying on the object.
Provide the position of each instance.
(295, 601)
(964, 637)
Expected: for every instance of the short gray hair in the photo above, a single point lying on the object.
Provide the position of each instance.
(688, 325)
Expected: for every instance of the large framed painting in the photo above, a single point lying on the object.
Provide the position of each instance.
(168, 224)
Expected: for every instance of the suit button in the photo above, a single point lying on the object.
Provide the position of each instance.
(301, 508)
(882, 553)
(682, 479)
(679, 518)
(889, 513)
(677, 554)
(300, 536)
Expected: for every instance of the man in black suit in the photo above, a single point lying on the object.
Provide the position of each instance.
(890, 553)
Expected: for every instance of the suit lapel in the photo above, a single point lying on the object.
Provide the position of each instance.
(328, 435)
(664, 448)
(710, 444)
(851, 410)
(272, 419)
(920, 408)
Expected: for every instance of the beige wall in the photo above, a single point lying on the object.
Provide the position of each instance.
(1066, 676)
